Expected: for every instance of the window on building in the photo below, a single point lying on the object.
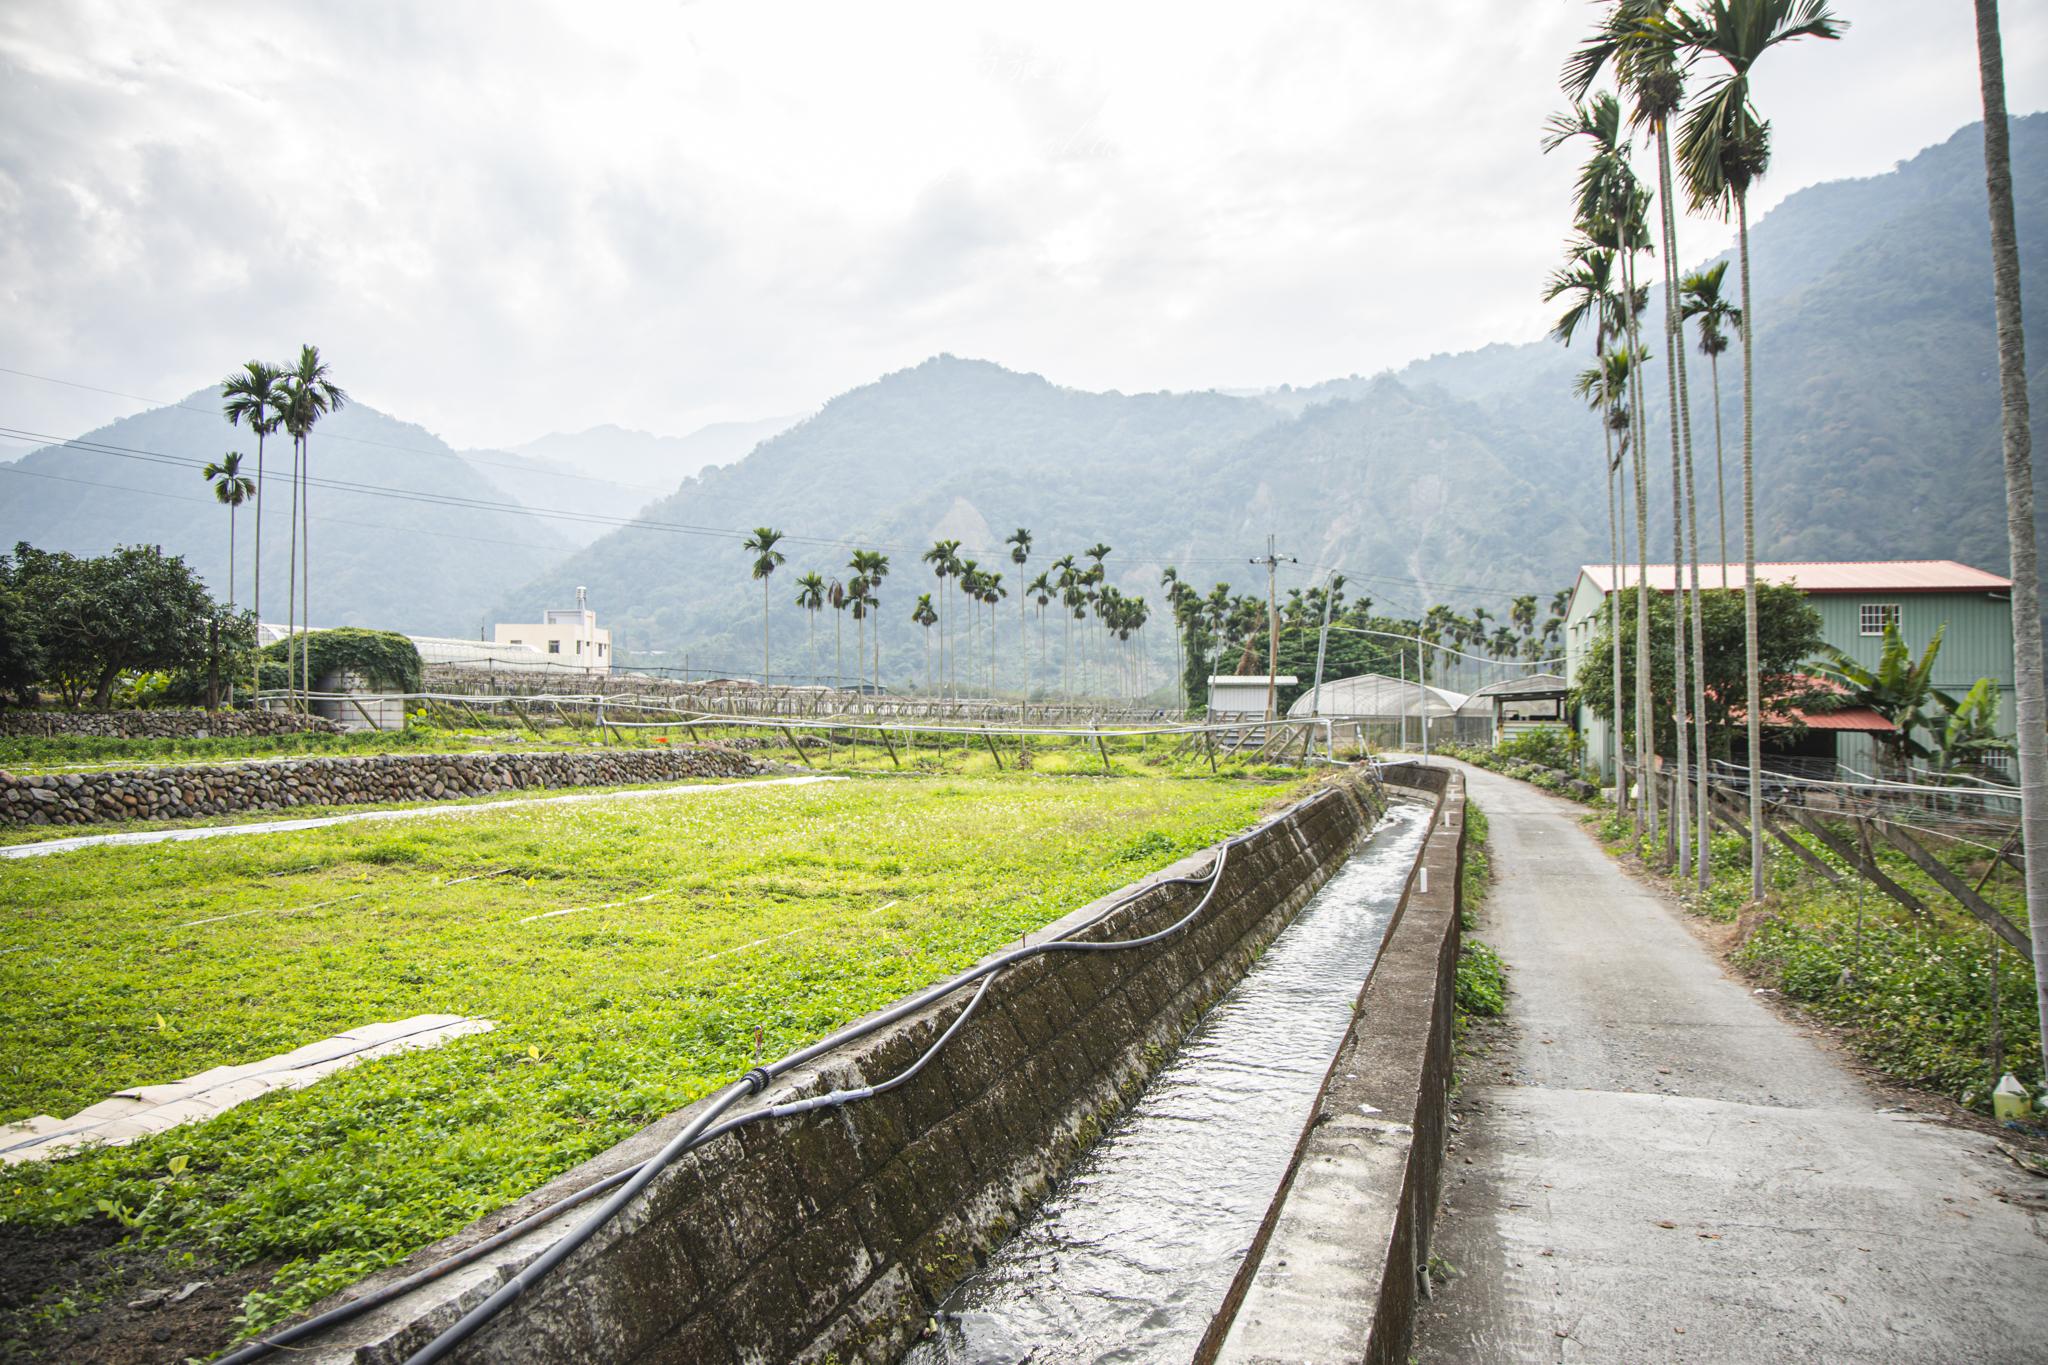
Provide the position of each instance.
(515, 642)
(554, 646)
(600, 649)
(1876, 616)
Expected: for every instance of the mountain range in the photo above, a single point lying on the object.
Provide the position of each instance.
(1463, 478)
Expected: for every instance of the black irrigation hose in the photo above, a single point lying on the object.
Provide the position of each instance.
(626, 1184)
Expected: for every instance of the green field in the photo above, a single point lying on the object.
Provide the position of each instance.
(786, 911)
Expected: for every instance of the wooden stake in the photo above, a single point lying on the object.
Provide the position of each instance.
(1867, 865)
(1934, 867)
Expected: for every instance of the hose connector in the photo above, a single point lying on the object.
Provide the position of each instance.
(756, 1081)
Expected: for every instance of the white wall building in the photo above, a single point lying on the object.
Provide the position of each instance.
(570, 638)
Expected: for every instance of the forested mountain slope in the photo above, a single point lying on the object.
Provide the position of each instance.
(1460, 478)
(402, 563)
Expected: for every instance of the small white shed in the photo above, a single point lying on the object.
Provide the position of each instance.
(1242, 696)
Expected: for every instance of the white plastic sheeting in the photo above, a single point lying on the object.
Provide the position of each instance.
(1375, 694)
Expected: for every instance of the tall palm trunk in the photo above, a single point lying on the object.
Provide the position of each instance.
(1613, 474)
(1023, 648)
(1720, 482)
(1752, 684)
(306, 565)
(291, 592)
(2031, 696)
(256, 659)
(838, 648)
(764, 631)
(1684, 540)
(1067, 656)
(1646, 818)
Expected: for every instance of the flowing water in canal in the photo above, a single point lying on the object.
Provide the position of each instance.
(1131, 1254)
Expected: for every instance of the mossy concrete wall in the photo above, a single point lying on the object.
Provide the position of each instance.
(1335, 1272)
(830, 1238)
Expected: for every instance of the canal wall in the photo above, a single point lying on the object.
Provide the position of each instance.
(831, 1237)
(187, 790)
(1336, 1271)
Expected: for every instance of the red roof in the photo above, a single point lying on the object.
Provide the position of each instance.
(1893, 575)
(1861, 719)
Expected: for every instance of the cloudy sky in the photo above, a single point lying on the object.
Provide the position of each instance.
(505, 219)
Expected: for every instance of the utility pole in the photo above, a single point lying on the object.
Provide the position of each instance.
(1322, 649)
(1272, 561)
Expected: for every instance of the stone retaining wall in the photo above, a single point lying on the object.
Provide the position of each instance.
(832, 1237)
(162, 724)
(1335, 1272)
(169, 793)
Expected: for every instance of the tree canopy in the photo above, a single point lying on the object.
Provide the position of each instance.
(134, 610)
(1788, 636)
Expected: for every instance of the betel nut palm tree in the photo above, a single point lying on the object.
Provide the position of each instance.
(2015, 424)
(1609, 213)
(761, 545)
(1019, 542)
(1718, 316)
(1724, 147)
(254, 396)
(810, 597)
(944, 557)
(873, 567)
(310, 394)
(927, 616)
(232, 488)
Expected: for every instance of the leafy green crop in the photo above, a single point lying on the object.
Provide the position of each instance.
(692, 926)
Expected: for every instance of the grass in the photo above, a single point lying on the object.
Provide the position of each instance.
(1481, 988)
(778, 913)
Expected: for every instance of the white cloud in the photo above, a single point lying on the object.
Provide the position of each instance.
(501, 220)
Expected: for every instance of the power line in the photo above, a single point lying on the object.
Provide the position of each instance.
(607, 520)
(180, 497)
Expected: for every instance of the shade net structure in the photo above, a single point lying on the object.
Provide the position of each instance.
(1377, 712)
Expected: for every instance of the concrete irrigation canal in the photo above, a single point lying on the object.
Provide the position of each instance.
(1131, 1256)
(1153, 1130)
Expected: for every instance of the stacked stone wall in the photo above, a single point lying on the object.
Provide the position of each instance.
(183, 792)
(166, 723)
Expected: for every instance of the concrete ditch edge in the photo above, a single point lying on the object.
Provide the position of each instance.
(1335, 1271)
(830, 1238)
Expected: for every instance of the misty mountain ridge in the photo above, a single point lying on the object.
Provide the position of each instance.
(1465, 478)
(1461, 477)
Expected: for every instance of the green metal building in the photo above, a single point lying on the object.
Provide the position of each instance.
(1855, 600)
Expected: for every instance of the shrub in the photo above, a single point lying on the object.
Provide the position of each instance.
(381, 658)
(1552, 746)
(1482, 988)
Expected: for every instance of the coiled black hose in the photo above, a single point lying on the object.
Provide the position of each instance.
(624, 1185)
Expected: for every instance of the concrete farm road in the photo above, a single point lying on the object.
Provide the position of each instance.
(1672, 1172)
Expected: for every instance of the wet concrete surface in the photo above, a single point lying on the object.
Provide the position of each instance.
(1653, 1166)
(1130, 1256)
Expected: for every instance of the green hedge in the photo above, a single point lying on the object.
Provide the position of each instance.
(382, 658)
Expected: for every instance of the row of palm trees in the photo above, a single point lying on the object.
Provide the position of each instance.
(1723, 145)
(1076, 583)
(267, 398)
